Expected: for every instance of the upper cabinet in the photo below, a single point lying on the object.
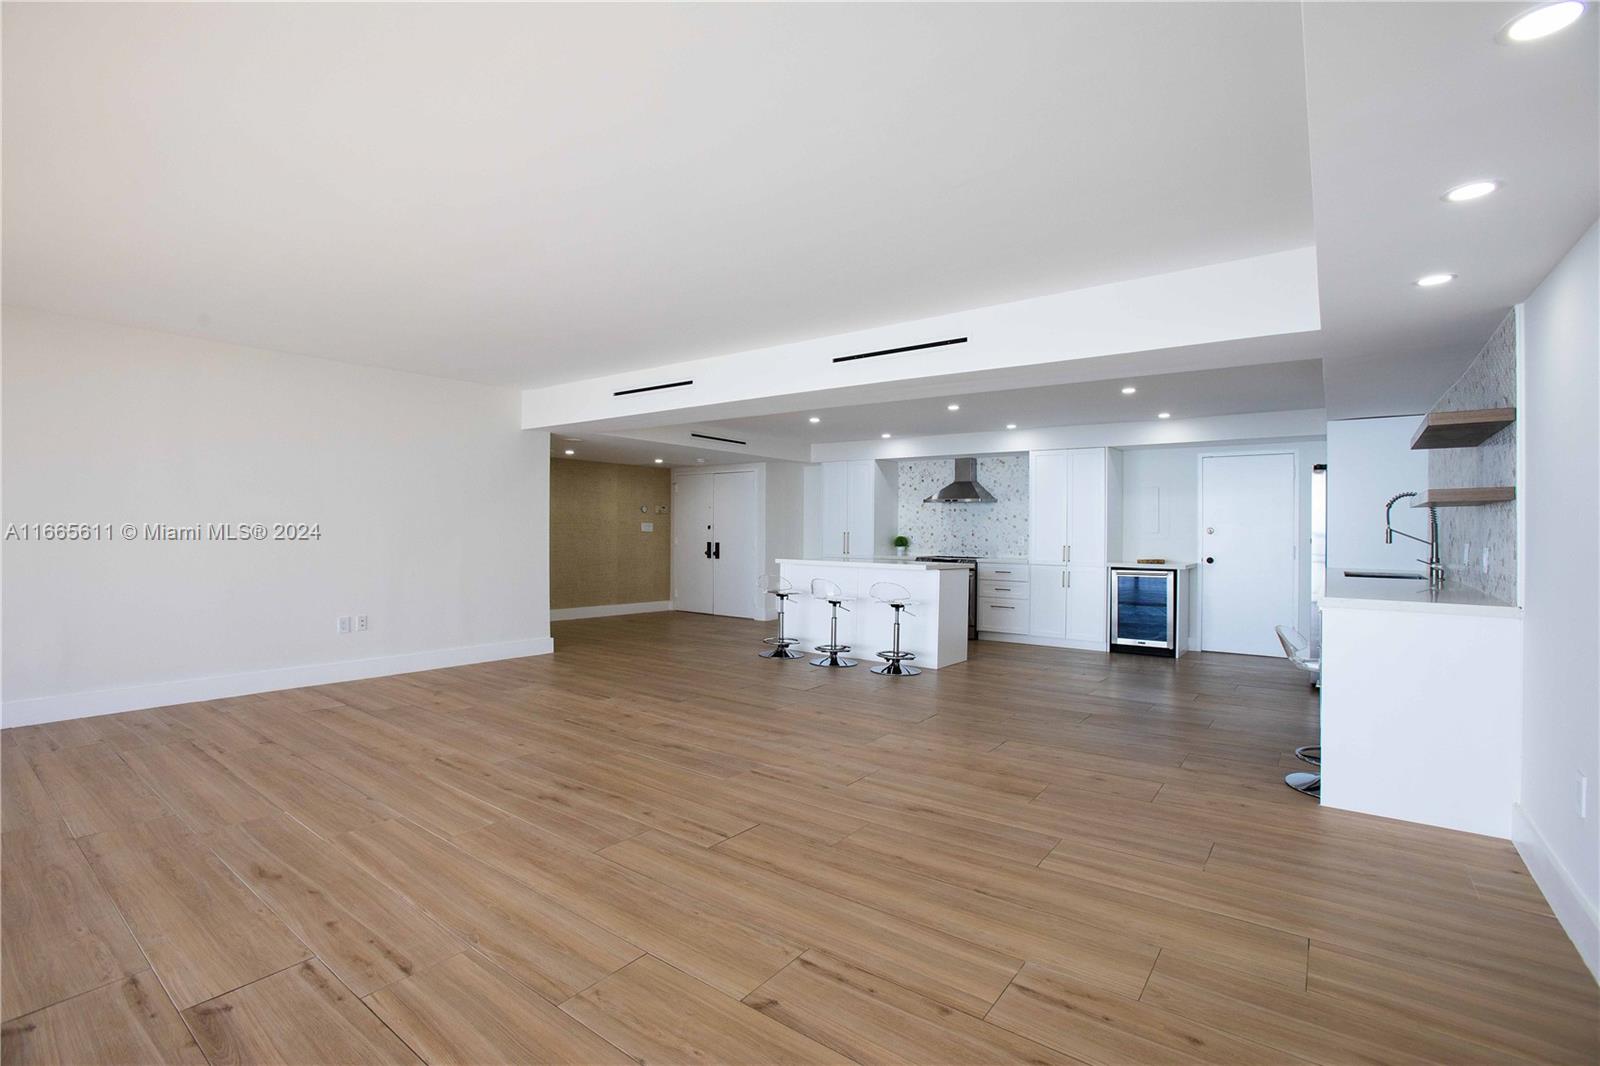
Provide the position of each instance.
(1068, 513)
(858, 507)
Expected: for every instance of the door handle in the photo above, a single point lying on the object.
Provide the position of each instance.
(1209, 559)
(708, 549)
(716, 552)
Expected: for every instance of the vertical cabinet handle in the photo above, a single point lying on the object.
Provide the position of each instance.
(1069, 579)
(708, 549)
(1063, 579)
(1063, 553)
(1069, 553)
(716, 550)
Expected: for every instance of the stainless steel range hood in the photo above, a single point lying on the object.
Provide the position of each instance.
(965, 488)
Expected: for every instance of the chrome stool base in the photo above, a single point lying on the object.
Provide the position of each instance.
(896, 668)
(1311, 753)
(831, 654)
(782, 648)
(1305, 784)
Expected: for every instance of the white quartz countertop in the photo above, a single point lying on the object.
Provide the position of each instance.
(1407, 594)
(1170, 564)
(876, 562)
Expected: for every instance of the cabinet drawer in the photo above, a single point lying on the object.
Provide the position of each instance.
(1001, 617)
(1013, 573)
(1002, 590)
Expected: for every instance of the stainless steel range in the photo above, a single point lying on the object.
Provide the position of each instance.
(972, 586)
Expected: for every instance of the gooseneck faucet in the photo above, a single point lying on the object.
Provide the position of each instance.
(1435, 566)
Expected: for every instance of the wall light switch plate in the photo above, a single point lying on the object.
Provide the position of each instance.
(647, 527)
(343, 624)
(361, 623)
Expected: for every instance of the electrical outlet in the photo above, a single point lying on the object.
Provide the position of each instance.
(361, 623)
(343, 624)
(1583, 795)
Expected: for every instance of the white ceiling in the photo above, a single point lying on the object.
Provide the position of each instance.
(1231, 391)
(530, 194)
(537, 193)
(1407, 100)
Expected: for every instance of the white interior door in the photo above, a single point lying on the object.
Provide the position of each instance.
(691, 544)
(1248, 541)
(733, 544)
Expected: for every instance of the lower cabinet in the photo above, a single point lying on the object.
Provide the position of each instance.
(1068, 603)
(1048, 603)
(1087, 618)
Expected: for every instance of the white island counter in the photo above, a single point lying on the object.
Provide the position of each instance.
(935, 628)
(1420, 702)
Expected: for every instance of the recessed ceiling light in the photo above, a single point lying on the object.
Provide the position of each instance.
(660, 460)
(953, 407)
(1011, 425)
(885, 436)
(1128, 390)
(1542, 21)
(1164, 414)
(813, 420)
(1428, 281)
(571, 452)
(1472, 190)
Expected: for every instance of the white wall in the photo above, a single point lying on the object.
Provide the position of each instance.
(1561, 596)
(1161, 509)
(1369, 460)
(785, 519)
(433, 506)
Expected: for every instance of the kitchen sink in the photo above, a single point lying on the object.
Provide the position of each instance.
(1389, 574)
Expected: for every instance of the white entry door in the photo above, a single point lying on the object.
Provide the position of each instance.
(1248, 543)
(733, 545)
(691, 545)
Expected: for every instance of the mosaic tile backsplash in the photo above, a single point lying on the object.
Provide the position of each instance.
(996, 530)
(1491, 381)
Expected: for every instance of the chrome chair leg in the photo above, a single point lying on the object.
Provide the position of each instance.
(782, 645)
(832, 650)
(895, 660)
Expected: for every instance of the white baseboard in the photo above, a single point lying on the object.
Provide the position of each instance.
(606, 610)
(221, 686)
(1574, 910)
(1045, 642)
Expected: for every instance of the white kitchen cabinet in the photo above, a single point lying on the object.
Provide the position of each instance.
(1047, 601)
(1068, 507)
(1068, 604)
(857, 507)
(1086, 506)
(1047, 507)
(1086, 605)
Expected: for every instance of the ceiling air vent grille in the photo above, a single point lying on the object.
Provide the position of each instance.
(653, 388)
(896, 351)
(724, 440)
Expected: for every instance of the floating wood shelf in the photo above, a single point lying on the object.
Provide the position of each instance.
(1461, 429)
(1466, 497)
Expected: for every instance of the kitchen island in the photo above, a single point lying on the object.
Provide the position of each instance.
(1421, 691)
(935, 627)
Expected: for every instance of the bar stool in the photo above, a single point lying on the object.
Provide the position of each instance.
(894, 661)
(782, 645)
(1298, 649)
(823, 589)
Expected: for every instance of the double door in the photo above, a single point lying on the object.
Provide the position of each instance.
(714, 533)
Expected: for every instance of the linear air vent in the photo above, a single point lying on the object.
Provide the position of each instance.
(896, 351)
(653, 388)
(724, 440)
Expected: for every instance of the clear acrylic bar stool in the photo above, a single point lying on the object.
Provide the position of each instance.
(894, 661)
(833, 595)
(782, 644)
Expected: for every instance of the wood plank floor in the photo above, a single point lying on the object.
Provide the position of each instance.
(655, 846)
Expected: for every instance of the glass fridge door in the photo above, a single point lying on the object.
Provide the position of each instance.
(1143, 612)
